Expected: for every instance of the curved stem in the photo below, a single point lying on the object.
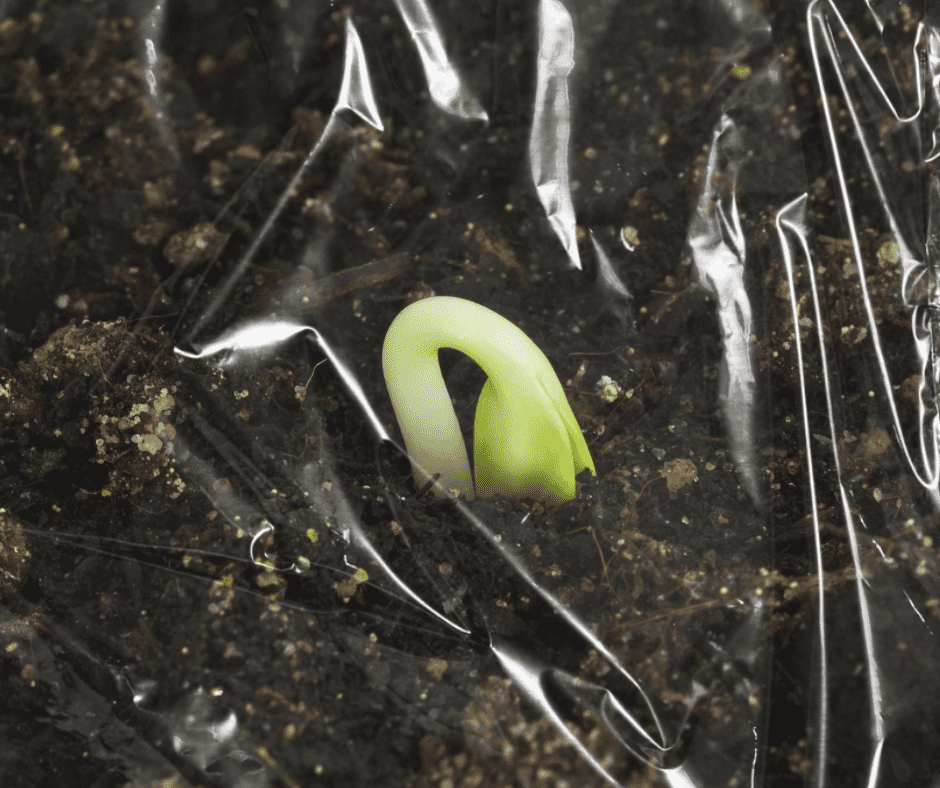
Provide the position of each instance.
(513, 363)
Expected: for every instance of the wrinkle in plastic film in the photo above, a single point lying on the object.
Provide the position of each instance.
(888, 180)
(888, 706)
(549, 141)
(449, 91)
(525, 670)
(718, 250)
(355, 100)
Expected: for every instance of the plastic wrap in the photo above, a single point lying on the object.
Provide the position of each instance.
(718, 220)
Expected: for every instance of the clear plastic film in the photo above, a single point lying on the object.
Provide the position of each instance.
(717, 220)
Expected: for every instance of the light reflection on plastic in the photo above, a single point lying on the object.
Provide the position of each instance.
(263, 530)
(820, 15)
(448, 90)
(527, 681)
(356, 94)
(196, 735)
(607, 278)
(150, 31)
(718, 252)
(540, 683)
(914, 608)
(253, 343)
(551, 124)
(245, 345)
(791, 224)
(932, 35)
(150, 72)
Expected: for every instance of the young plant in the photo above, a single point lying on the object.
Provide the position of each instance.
(526, 440)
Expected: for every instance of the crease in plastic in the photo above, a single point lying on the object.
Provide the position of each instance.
(718, 253)
(551, 124)
(612, 288)
(792, 230)
(913, 270)
(449, 91)
(233, 350)
(151, 31)
(793, 222)
(357, 99)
